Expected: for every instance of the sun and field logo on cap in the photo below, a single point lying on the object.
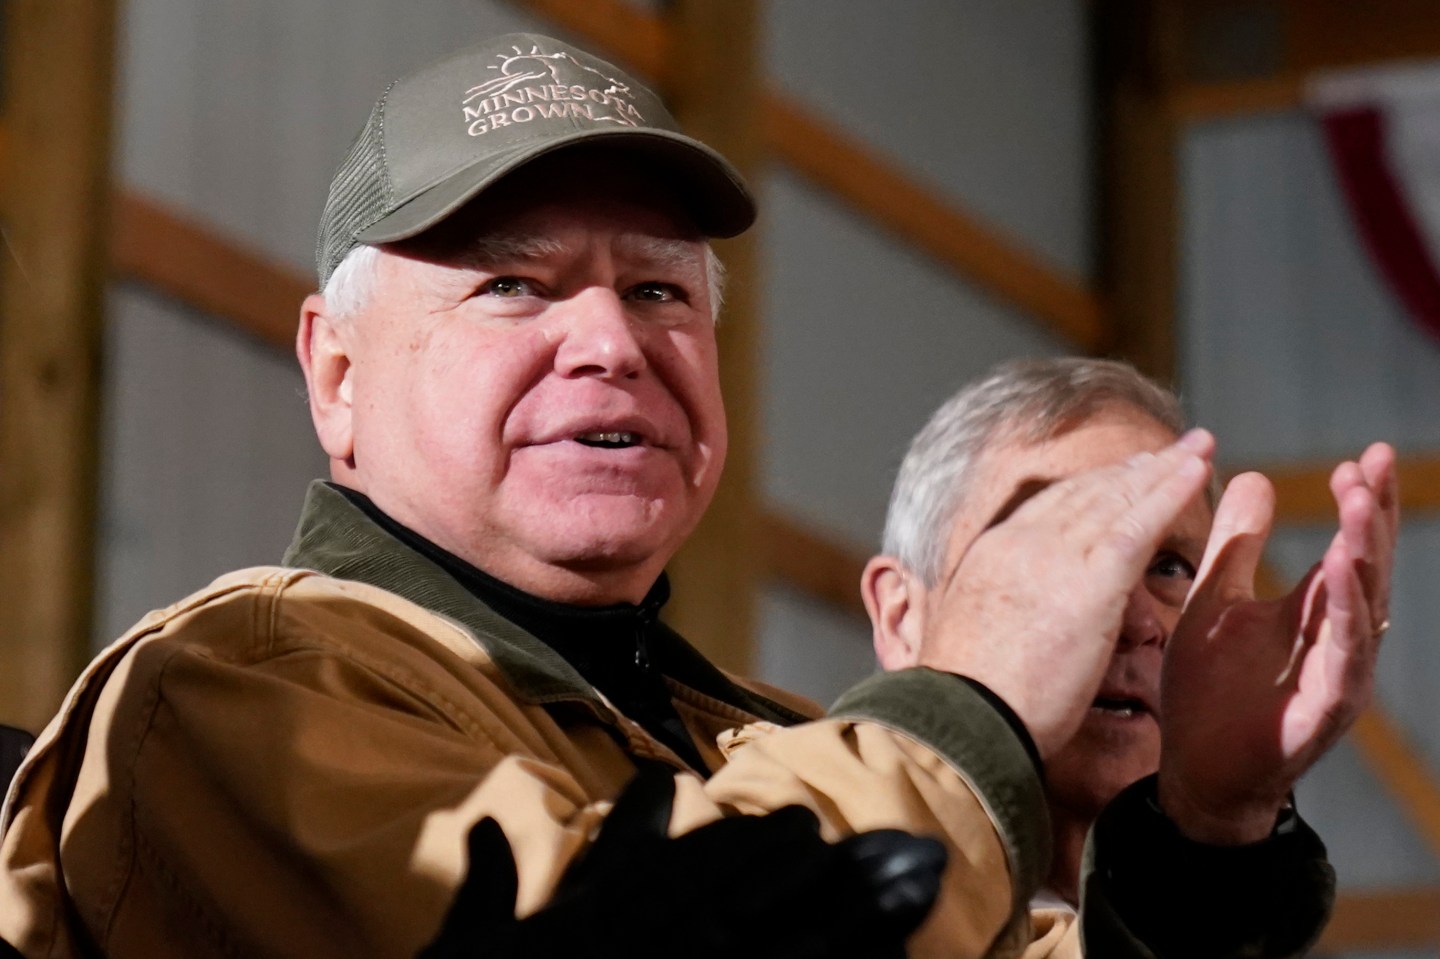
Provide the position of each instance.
(538, 85)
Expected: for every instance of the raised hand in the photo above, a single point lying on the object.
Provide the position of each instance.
(1033, 607)
(1254, 691)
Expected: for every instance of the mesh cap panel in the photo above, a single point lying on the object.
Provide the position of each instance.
(360, 194)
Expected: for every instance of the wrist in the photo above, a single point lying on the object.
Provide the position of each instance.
(1227, 824)
(1269, 898)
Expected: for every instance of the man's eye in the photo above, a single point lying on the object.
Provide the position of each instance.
(508, 287)
(1170, 579)
(1171, 566)
(656, 292)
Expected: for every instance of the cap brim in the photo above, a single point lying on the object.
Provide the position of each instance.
(712, 190)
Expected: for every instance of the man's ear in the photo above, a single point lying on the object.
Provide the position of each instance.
(895, 601)
(321, 344)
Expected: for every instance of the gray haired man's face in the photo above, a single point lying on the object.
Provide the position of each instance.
(1119, 741)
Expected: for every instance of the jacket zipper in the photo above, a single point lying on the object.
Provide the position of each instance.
(644, 618)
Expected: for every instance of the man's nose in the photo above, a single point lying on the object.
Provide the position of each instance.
(599, 337)
(1141, 624)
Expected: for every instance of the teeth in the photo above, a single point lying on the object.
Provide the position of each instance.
(626, 438)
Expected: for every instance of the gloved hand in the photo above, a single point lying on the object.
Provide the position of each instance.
(753, 886)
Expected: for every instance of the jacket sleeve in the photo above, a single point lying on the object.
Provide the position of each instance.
(1145, 884)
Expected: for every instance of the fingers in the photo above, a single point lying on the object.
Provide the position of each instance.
(1238, 535)
(1367, 498)
(1197, 442)
(1355, 572)
(1119, 513)
(1137, 501)
(1344, 595)
(1378, 465)
(1035, 605)
(1348, 642)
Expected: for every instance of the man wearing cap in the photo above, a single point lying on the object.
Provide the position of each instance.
(454, 704)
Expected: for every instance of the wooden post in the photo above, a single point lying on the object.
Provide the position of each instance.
(1138, 43)
(54, 206)
(714, 90)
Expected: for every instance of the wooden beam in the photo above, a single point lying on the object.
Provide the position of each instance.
(1402, 771)
(197, 265)
(1314, 36)
(860, 177)
(714, 90)
(1139, 43)
(811, 562)
(58, 106)
(1199, 102)
(1383, 919)
(1302, 490)
(1338, 34)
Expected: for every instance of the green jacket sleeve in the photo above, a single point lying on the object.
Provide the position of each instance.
(964, 723)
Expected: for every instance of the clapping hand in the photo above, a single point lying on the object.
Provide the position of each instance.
(1254, 691)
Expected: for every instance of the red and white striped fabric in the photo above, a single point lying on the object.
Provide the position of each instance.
(1382, 126)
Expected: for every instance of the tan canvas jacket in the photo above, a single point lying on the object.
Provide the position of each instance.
(287, 763)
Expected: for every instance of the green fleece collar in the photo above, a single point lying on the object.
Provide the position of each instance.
(336, 538)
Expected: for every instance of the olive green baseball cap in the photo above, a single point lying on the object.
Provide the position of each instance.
(439, 137)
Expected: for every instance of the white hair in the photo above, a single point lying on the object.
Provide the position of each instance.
(1028, 401)
(352, 283)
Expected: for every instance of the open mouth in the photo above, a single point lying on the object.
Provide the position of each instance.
(618, 440)
(1120, 707)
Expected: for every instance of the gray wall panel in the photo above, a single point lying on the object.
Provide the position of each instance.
(1292, 344)
(864, 338)
(208, 450)
(810, 647)
(240, 111)
(985, 99)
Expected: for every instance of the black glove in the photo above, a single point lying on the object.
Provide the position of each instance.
(753, 886)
